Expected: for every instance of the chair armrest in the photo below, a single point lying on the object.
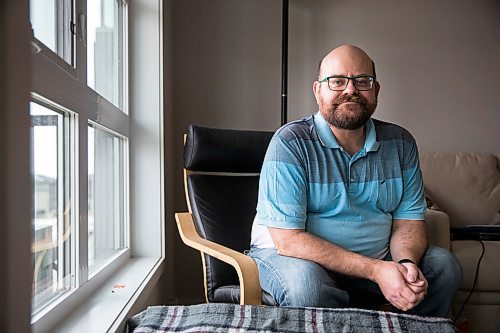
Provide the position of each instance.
(251, 292)
(438, 228)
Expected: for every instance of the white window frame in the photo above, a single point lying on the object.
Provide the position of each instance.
(66, 186)
(92, 307)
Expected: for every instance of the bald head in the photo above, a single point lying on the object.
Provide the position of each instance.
(345, 60)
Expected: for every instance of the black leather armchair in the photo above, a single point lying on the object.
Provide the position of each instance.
(221, 176)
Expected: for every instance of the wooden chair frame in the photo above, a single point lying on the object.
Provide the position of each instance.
(248, 274)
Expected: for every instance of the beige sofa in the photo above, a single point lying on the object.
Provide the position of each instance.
(466, 186)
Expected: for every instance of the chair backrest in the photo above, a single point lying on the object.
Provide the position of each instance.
(221, 180)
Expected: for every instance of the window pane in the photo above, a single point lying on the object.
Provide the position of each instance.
(51, 240)
(105, 49)
(43, 21)
(51, 20)
(106, 188)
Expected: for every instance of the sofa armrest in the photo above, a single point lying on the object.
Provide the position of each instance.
(438, 228)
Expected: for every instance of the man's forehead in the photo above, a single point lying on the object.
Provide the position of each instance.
(354, 66)
(347, 60)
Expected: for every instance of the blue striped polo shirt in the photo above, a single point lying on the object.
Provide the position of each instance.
(309, 182)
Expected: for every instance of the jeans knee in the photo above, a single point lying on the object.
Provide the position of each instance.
(300, 295)
(304, 287)
(318, 294)
(297, 282)
(446, 268)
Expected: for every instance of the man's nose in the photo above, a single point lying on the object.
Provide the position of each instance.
(350, 89)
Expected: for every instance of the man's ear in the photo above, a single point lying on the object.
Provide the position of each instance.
(316, 87)
(377, 88)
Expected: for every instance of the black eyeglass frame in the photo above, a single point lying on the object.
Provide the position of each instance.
(327, 79)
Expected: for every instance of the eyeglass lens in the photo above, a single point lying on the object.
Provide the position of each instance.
(340, 83)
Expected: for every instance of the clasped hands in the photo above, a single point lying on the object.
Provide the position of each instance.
(403, 285)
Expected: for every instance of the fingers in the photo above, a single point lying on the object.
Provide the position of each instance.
(404, 297)
(415, 279)
(392, 279)
(412, 272)
(407, 299)
(417, 289)
(414, 290)
(419, 286)
(413, 298)
(400, 302)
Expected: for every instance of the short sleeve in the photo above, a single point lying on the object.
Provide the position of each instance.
(412, 205)
(282, 201)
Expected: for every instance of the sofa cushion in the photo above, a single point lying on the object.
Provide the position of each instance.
(464, 185)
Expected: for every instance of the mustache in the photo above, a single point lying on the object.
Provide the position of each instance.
(349, 98)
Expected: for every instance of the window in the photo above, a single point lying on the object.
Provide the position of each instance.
(97, 191)
(53, 239)
(105, 27)
(79, 144)
(106, 194)
(53, 25)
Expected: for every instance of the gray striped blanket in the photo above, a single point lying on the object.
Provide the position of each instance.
(216, 317)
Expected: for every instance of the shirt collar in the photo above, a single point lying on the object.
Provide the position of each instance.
(327, 138)
(371, 143)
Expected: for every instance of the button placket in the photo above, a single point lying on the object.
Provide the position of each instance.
(351, 177)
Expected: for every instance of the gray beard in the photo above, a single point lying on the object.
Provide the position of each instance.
(339, 119)
(353, 117)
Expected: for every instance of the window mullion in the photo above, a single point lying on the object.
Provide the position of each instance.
(82, 166)
(61, 203)
(71, 137)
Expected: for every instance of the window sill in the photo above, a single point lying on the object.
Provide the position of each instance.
(109, 307)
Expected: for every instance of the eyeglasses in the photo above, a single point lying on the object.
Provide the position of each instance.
(339, 82)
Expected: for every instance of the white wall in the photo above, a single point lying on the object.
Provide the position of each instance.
(435, 60)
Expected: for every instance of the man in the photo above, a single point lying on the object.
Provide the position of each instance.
(341, 204)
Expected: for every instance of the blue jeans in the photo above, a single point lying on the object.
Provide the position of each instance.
(298, 282)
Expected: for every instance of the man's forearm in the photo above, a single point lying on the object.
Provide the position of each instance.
(408, 240)
(301, 244)
(390, 276)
